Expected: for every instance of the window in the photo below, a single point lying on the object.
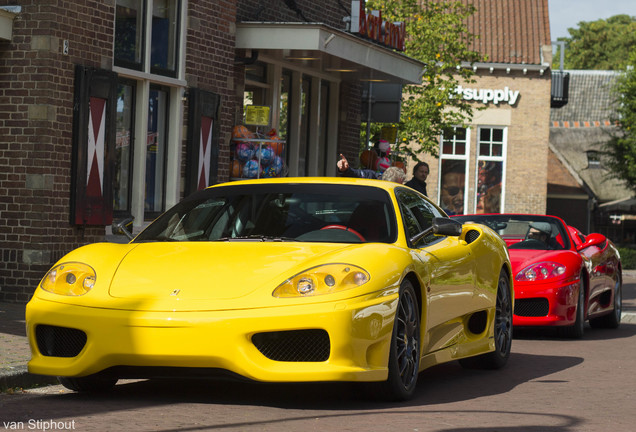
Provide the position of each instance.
(454, 142)
(165, 32)
(453, 169)
(323, 128)
(123, 148)
(131, 44)
(593, 159)
(156, 144)
(417, 214)
(490, 170)
(147, 59)
(129, 34)
(304, 142)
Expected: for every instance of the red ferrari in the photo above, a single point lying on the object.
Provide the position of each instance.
(561, 276)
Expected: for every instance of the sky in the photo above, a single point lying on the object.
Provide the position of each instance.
(566, 14)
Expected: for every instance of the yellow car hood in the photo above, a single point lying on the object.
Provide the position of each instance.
(211, 270)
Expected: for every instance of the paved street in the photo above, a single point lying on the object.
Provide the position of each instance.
(550, 384)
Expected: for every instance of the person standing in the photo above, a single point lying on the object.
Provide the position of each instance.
(420, 173)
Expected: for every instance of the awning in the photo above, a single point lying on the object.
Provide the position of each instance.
(329, 50)
(624, 205)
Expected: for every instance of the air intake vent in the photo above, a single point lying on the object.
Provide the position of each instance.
(533, 307)
(294, 346)
(59, 341)
(471, 236)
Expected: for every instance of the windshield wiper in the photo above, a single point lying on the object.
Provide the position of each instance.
(257, 238)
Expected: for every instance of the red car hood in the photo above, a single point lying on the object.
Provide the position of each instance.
(522, 258)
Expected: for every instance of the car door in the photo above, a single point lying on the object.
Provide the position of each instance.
(602, 273)
(447, 269)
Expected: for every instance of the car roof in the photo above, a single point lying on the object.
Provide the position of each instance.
(382, 184)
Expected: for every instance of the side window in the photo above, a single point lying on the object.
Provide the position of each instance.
(417, 214)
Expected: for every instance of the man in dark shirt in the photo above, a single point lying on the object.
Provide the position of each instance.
(420, 173)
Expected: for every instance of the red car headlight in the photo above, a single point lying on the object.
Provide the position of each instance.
(540, 271)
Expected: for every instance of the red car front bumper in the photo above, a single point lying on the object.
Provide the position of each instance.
(551, 303)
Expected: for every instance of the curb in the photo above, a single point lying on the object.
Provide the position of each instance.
(19, 377)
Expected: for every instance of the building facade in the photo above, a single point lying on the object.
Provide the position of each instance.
(117, 109)
(498, 162)
(580, 186)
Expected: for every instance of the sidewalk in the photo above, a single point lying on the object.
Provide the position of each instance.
(15, 351)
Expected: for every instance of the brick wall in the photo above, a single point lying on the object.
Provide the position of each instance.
(36, 117)
(328, 12)
(36, 120)
(210, 66)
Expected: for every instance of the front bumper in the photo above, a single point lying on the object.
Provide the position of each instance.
(357, 344)
(545, 304)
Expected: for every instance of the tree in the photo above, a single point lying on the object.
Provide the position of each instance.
(437, 36)
(620, 155)
(599, 45)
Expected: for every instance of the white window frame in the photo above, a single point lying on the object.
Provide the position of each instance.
(465, 157)
(177, 88)
(502, 159)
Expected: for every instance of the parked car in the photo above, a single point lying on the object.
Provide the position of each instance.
(280, 280)
(561, 276)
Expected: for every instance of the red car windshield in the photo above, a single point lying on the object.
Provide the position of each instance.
(525, 231)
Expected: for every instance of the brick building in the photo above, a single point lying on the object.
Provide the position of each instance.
(119, 108)
(501, 156)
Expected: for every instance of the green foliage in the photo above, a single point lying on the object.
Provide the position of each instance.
(628, 258)
(437, 36)
(599, 45)
(620, 156)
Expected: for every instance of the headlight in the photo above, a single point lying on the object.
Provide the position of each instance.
(71, 279)
(324, 279)
(540, 271)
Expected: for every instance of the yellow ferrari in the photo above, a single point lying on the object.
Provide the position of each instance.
(280, 280)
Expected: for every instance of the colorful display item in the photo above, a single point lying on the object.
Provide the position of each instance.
(274, 169)
(244, 151)
(265, 155)
(251, 169)
(368, 159)
(382, 164)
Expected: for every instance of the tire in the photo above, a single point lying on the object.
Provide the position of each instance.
(612, 320)
(404, 354)
(502, 333)
(576, 330)
(88, 384)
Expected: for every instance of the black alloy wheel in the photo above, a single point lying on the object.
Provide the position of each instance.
(576, 330)
(404, 355)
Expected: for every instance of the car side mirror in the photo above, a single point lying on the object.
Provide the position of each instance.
(123, 227)
(440, 226)
(594, 239)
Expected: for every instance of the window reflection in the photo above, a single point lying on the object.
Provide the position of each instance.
(129, 15)
(164, 36)
(156, 151)
(123, 146)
